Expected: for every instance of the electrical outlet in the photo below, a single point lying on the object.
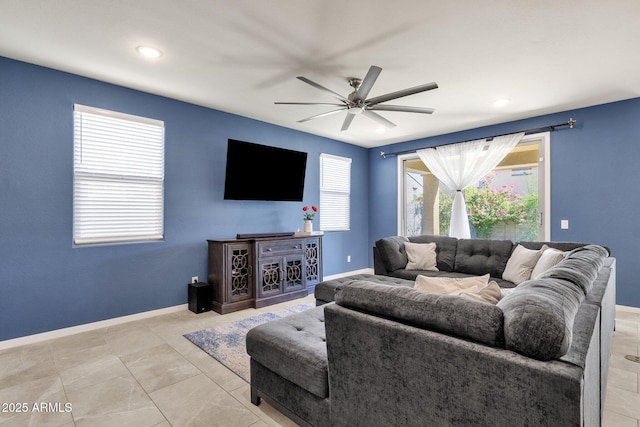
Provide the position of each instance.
(194, 279)
(348, 258)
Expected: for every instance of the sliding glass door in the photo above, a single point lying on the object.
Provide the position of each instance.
(511, 202)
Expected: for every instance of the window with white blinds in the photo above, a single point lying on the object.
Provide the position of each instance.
(335, 192)
(118, 178)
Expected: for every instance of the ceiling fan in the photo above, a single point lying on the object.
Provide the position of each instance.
(357, 103)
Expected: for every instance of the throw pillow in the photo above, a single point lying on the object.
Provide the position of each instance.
(506, 291)
(520, 264)
(477, 287)
(549, 258)
(490, 293)
(445, 285)
(421, 256)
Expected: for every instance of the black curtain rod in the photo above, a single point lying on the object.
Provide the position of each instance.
(570, 123)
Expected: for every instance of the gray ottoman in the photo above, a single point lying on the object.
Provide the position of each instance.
(325, 291)
(289, 366)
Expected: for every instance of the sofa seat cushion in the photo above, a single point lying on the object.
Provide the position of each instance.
(447, 314)
(479, 257)
(413, 274)
(326, 291)
(504, 284)
(294, 347)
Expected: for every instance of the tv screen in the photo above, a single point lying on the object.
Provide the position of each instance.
(260, 172)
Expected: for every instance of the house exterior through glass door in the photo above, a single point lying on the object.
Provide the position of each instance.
(510, 203)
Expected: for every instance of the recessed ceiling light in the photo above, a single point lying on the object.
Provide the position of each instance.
(380, 130)
(501, 102)
(149, 52)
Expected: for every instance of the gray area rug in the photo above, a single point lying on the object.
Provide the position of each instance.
(226, 343)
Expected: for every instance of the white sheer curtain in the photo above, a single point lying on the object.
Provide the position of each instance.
(459, 165)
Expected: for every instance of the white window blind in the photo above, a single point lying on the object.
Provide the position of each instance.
(118, 179)
(335, 192)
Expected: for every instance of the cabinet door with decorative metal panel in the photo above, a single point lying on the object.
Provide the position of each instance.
(241, 279)
(313, 256)
(230, 267)
(269, 277)
(294, 272)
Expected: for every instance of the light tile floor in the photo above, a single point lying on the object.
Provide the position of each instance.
(140, 373)
(622, 404)
(145, 373)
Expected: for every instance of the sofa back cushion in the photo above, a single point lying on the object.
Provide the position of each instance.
(539, 316)
(448, 314)
(391, 250)
(561, 246)
(479, 257)
(445, 249)
(580, 266)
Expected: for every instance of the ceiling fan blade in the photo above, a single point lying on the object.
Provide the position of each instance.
(310, 103)
(402, 109)
(367, 83)
(401, 93)
(317, 86)
(317, 116)
(347, 121)
(378, 118)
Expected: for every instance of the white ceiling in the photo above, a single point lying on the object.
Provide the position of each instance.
(240, 56)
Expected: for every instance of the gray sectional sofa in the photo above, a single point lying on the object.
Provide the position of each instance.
(379, 352)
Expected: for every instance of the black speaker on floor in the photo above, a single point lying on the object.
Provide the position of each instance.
(200, 297)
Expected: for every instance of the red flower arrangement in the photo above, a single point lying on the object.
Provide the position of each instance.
(308, 215)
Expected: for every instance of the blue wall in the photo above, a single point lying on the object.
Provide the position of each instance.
(47, 284)
(594, 182)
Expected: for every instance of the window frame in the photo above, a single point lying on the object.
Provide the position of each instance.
(544, 163)
(335, 189)
(118, 177)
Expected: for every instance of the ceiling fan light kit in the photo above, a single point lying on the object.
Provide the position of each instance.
(356, 103)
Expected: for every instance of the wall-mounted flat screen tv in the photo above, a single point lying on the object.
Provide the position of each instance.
(261, 172)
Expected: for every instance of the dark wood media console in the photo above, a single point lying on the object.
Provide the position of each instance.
(256, 272)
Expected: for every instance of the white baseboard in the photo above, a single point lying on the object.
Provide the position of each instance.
(58, 333)
(349, 273)
(628, 309)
